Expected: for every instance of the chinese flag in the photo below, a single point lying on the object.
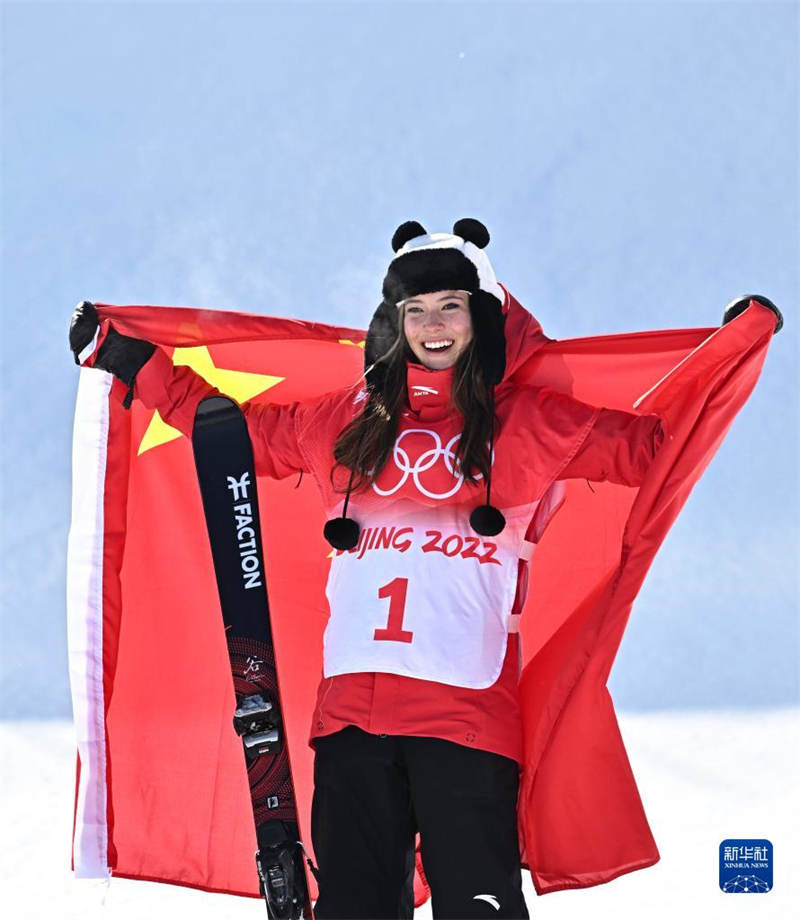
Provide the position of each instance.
(162, 790)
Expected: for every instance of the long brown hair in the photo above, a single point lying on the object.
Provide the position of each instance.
(365, 444)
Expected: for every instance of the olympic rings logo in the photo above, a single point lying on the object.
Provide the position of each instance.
(424, 462)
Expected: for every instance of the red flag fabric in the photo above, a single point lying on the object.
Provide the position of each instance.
(161, 790)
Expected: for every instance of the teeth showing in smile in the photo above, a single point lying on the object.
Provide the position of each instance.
(443, 343)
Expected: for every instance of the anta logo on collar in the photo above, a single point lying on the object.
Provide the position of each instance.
(418, 390)
(419, 453)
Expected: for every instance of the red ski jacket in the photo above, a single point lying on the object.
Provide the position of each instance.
(544, 437)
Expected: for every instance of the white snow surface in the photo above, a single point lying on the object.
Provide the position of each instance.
(703, 777)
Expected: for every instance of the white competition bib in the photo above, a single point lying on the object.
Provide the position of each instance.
(424, 596)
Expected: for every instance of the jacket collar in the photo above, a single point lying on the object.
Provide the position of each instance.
(429, 390)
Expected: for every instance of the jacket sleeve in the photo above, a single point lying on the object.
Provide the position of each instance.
(619, 448)
(176, 391)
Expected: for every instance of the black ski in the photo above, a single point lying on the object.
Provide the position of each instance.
(223, 456)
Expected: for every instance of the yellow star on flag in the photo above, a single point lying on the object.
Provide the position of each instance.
(239, 385)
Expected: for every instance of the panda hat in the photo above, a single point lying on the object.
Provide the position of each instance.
(428, 262)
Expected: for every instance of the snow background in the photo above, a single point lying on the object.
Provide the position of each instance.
(703, 776)
(637, 166)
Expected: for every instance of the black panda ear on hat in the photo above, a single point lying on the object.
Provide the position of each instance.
(472, 231)
(406, 232)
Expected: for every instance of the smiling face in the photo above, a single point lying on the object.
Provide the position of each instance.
(438, 327)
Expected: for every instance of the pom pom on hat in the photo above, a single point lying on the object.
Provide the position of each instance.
(487, 520)
(342, 533)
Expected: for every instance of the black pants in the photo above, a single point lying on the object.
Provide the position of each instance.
(372, 793)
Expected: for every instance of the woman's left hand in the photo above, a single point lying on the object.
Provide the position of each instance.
(735, 307)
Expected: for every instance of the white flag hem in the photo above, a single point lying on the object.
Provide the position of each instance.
(85, 620)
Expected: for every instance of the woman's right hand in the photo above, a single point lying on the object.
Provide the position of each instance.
(82, 327)
(120, 355)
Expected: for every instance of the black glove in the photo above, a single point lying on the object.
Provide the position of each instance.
(121, 355)
(735, 307)
(82, 327)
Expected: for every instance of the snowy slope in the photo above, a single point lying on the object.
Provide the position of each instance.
(703, 777)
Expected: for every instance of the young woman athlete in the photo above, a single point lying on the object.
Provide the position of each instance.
(439, 472)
